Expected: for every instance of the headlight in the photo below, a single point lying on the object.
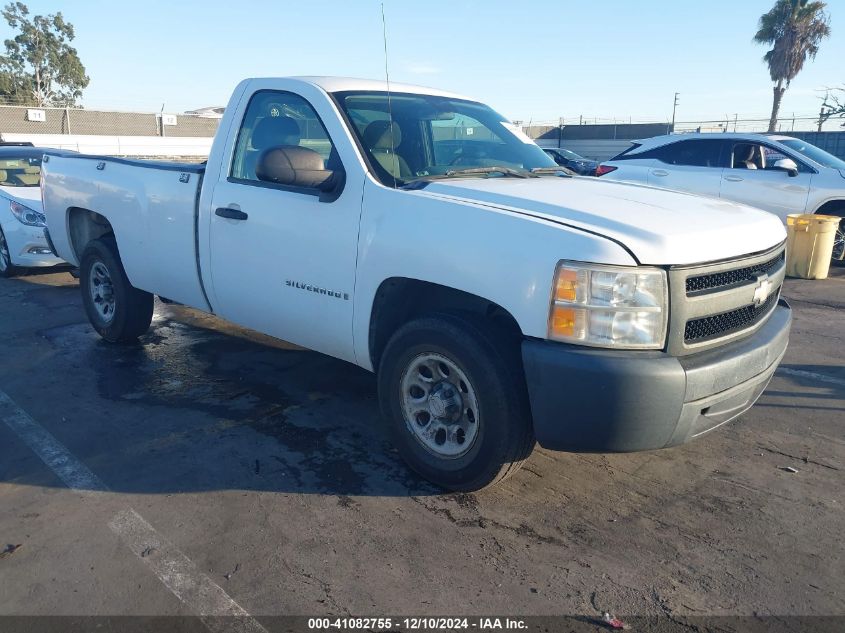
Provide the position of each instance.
(27, 216)
(609, 306)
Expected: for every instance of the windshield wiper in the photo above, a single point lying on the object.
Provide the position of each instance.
(562, 171)
(505, 171)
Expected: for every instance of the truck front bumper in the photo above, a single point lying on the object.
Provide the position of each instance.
(605, 400)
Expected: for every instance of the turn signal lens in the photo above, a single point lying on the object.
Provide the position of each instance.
(566, 281)
(564, 322)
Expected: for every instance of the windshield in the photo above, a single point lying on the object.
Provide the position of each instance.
(431, 136)
(814, 153)
(20, 171)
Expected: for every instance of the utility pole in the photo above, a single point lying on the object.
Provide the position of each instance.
(674, 108)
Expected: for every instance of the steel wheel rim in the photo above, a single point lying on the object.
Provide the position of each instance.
(5, 258)
(839, 242)
(102, 292)
(440, 406)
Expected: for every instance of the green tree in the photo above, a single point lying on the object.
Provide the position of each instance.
(794, 29)
(40, 66)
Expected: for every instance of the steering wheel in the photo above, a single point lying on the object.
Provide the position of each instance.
(464, 153)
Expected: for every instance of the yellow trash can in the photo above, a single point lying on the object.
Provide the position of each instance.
(809, 244)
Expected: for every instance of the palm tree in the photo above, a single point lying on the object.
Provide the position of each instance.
(794, 29)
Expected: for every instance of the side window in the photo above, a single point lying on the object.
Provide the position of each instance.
(692, 153)
(274, 119)
(771, 155)
(754, 156)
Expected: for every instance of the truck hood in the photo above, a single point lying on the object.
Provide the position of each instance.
(660, 227)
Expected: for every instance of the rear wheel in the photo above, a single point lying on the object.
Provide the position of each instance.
(117, 310)
(455, 402)
(6, 268)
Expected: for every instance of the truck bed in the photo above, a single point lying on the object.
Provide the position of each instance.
(152, 207)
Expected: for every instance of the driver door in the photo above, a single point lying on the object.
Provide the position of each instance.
(282, 259)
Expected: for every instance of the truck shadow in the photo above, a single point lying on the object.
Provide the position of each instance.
(193, 408)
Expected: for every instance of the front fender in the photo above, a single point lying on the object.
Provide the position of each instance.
(501, 256)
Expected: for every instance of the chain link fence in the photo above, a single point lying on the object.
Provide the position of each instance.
(601, 139)
(785, 125)
(29, 120)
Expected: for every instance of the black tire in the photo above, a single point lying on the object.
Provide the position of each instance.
(504, 437)
(6, 268)
(132, 308)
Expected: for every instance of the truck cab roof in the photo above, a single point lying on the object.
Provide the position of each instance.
(348, 84)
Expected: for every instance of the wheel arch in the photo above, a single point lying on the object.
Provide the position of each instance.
(401, 299)
(832, 206)
(84, 226)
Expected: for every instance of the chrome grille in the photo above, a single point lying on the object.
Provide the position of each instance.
(703, 283)
(718, 325)
(712, 304)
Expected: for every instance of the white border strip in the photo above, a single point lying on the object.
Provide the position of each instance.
(71, 471)
(179, 574)
(219, 612)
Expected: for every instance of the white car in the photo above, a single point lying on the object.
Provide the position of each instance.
(498, 301)
(23, 243)
(779, 174)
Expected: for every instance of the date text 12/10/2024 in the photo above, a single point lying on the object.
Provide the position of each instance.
(417, 624)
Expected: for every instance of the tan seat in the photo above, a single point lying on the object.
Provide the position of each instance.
(29, 179)
(383, 138)
(270, 132)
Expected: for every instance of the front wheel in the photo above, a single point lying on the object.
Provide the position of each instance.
(455, 402)
(6, 268)
(117, 310)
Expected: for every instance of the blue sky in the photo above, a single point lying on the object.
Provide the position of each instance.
(530, 60)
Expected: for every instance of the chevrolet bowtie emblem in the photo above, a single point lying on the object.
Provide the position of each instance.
(762, 290)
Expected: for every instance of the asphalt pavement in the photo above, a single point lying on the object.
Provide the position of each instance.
(208, 470)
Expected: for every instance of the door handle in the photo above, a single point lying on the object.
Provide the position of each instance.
(232, 214)
(659, 172)
(733, 178)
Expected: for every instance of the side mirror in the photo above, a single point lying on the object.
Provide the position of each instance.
(788, 165)
(294, 166)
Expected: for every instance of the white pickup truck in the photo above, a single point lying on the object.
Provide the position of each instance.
(420, 235)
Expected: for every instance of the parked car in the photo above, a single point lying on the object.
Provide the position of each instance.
(572, 161)
(22, 240)
(497, 299)
(780, 174)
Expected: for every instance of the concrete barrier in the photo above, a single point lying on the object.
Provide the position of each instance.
(158, 146)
